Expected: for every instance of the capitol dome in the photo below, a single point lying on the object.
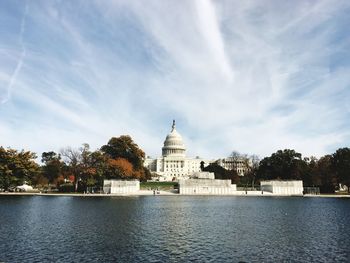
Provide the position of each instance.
(173, 144)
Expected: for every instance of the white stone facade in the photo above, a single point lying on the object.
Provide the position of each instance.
(203, 175)
(280, 187)
(203, 183)
(174, 164)
(121, 186)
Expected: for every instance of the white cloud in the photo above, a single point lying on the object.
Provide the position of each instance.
(248, 76)
(208, 25)
(20, 60)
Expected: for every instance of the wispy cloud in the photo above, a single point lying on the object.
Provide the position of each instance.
(209, 27)
(249, 76)
(20, 60)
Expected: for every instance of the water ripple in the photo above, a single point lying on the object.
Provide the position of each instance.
(174, 229)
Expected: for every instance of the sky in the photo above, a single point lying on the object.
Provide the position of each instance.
(246, 76)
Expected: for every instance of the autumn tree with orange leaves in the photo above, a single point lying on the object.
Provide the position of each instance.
(119, 168)
(126, 159)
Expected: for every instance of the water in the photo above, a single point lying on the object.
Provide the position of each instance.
(174, 229)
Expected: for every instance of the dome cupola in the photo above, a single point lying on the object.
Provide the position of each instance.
(173, 144)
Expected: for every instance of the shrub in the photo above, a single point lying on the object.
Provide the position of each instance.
(66, 188)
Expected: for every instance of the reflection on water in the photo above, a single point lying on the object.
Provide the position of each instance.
(173, 229)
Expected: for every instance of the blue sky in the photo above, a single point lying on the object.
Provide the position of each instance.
(250, 76)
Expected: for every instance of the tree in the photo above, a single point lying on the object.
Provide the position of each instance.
(52, 167)
(6, 173)
(16, 167)
(88, 168)
(87, 172)
(307, 168)
(284, 164)
(124, 147)
(236, 155)
(241, 163)
(119, 168)
(341, 165)
(75, 159)
(251, 175)
(99, 162)
(324, 175)
(202, 166)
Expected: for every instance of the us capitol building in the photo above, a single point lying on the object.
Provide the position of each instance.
(174, 165)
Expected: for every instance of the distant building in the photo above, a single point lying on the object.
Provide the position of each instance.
(121, 186)
(203, 183)
(174, 164)
(283, 187)
(240, 164)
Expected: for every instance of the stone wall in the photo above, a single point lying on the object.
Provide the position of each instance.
(121, 186)
(206, 187)
(280, 187)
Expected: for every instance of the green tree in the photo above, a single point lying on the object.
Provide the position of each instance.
(307, 168)
(202, 166)
(341, 165)
(16, 167)
(99, 162)
(323, 174)
(6, 175)
(286, 164)
(52, 165)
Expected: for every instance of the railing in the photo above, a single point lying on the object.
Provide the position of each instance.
(312, 190)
